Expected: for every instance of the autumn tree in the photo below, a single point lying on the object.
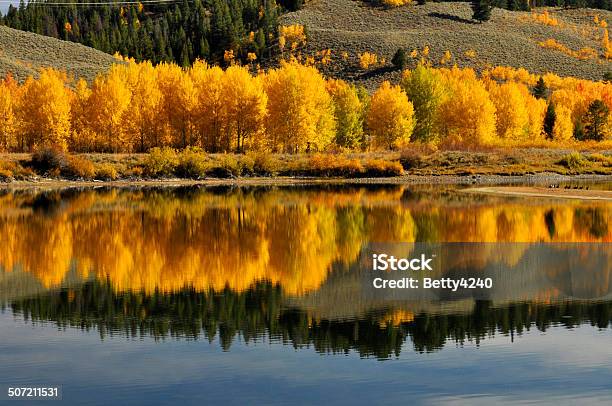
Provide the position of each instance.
(482, 10)
(424, 87)
(8, 120)
(596, 125)
(390, 117)
(82, 138)
(210, 109)
(540, 90)
(563, 128)
(300, 111)
(178, 104)
(467, 115)
(246, 107)
(142, 116)
(45, 110)
(108, 103)
(349, 113)
(511, 108)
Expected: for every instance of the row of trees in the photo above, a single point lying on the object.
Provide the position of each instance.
(172, 32)
(137, 106)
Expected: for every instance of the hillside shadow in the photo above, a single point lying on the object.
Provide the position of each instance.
(451, 17)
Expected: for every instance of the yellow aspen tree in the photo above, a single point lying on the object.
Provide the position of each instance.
(109, 101)
(210, 109)
(177, 104)
(300, 111)
(82, 138)
(512, 115)
(246, 108)
(425, 90)
(390, 117)
(142, 117)
(536, 109)
(467, 115)
(563, 128)
(46, 110)
(348, 110)
(8, 121)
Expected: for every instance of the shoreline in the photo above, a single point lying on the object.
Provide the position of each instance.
(464, 180)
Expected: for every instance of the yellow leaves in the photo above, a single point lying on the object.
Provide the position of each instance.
(390, 117)
(251, 57)
(8, 120)
(294, 34)
(563, 129)
(512, 115)
(545, 18)
(582, 54)
(300, 111)
(348, 110)
(446, 58)
(228, 56)
(600, 22)
(396, 3)
(45, 110)
(367, 59)
(245, 109)
(68, 27)
(470, 53)
(605, 43)
(467, 115)
(107, 105)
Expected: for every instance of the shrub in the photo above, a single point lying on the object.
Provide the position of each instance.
(247, 165)
(192, 163)
(334, 165)
(382, 168)
(11, 170)
(264, 163)
(135, 171)
(225, 166)
(161, 162)
(78, 167)
(400, 59)
(6, 175)
(572, 161)
(106, 171)
(410, 159)
(48, 160)
(604, 159)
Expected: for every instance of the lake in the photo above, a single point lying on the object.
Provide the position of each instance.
(263, 295)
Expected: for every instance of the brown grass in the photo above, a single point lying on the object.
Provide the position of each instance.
(24, 53)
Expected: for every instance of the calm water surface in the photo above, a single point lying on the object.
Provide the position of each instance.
(258, 295)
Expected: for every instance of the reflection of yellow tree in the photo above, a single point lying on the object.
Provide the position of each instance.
(157, 241)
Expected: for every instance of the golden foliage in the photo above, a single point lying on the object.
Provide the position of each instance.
(367, 59)
(300, 111)
(390, 117)
(294, 35)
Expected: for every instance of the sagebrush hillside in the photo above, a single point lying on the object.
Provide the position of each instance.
(23, 54)
(509, 38)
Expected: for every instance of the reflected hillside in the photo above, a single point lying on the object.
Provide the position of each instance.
(257, 314)
(164, 240)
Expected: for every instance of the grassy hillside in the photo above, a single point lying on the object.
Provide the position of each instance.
(509, 38)
(23, 53)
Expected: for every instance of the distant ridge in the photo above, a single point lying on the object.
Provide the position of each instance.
(24, 53)
(510, 38)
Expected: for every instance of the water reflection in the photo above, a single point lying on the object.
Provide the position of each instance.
(283, 264)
